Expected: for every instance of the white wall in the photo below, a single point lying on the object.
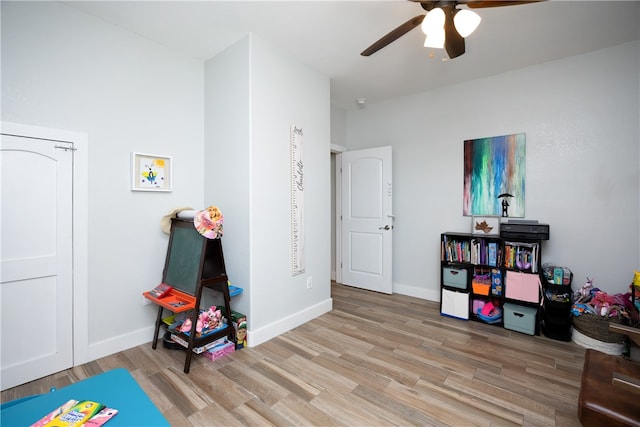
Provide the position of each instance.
(63, 69)
(256, 83)
(581, 118)
(67, 70)
(227, 159)
(338, 126)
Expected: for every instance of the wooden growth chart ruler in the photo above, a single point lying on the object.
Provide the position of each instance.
(297, 202)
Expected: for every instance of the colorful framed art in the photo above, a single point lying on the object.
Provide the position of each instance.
(150, 172)
(494, 176)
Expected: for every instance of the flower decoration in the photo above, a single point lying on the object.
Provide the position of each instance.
(208, 222)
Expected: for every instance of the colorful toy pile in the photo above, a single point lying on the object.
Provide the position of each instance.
(208, 321)
(591, 300)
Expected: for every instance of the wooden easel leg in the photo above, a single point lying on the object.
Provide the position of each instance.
(187, 362)
(156, 333)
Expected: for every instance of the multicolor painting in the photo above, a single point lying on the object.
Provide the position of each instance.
(494, 172)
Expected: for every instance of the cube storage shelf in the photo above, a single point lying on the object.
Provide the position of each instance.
(477, 270)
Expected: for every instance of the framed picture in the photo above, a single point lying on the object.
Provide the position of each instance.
(494, 176)
(150, 172)
(485, 225)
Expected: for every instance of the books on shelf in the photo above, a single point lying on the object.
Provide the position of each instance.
(77, 412)
(522, 256)
(484, 252)
(456, 250)
(493, 254)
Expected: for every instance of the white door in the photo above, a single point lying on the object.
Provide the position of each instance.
(367, 219)
(36, 290)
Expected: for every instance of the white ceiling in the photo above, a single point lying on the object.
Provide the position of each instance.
(328, 36)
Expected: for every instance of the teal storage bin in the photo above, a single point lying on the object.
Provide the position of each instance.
(454, 277)
(520, 318)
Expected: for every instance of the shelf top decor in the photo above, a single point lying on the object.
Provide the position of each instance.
(485, 225)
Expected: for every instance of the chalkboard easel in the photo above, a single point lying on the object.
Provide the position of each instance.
(194, 263)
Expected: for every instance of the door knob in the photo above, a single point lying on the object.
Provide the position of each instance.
(386, 227)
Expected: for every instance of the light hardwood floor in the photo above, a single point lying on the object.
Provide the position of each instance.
(374, 360)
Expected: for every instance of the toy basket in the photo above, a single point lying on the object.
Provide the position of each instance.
(597, 327)
(604, 347)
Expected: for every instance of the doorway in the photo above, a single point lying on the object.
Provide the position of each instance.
(44, 264)
(363, 242)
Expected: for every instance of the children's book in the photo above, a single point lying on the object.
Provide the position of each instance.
(161, 290)
(77, 415)
(58, 411)
(96, 420)
(101, 417)
(493, 254)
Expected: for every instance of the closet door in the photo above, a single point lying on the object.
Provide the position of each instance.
(36, 274)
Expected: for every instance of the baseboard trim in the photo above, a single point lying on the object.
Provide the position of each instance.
(119, 343)
(255, 337)
(416, 292)
(258, 336)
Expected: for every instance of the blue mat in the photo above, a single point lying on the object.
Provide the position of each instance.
(116, 389)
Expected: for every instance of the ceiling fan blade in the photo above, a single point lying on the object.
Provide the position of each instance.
(453, 41)
(478, 4)
(393, 35)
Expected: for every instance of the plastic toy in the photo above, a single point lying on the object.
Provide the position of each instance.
(213, 317)
(489, 313)
(207, 322)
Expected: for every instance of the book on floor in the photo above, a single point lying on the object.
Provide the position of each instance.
(76, 413)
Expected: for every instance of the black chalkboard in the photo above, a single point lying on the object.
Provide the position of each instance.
(184, 257)
(191, 257)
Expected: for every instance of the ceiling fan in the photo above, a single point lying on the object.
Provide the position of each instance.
(450, 38)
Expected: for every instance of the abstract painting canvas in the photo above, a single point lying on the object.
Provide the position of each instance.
(494, 175)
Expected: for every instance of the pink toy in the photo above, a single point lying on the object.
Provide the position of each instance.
(203, 320)
(207, 321)
(602, 303)
(584, 293)
(592, 300)
(186, 326)
(214, 316)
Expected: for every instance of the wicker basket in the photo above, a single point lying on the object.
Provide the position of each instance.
(604, 347)
(597, 327)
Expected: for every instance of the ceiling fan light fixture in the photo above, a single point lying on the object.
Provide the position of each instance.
(434, 21)
(435, 39)
(466, 22)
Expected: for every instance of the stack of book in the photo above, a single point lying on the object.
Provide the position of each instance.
(77, 413)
